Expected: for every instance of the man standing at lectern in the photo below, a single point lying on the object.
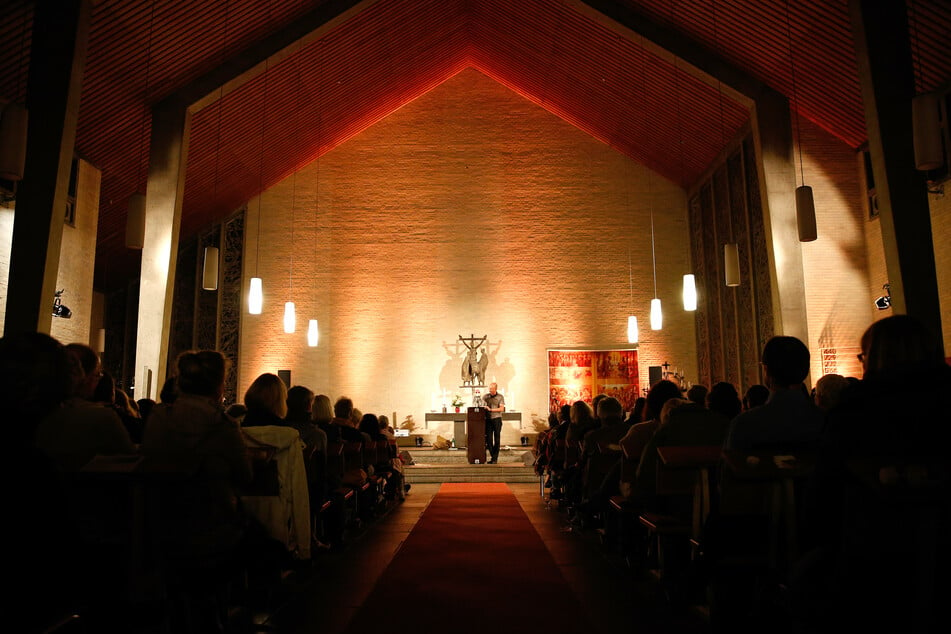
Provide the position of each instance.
(495, 404)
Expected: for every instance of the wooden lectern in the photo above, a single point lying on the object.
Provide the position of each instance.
(475, 434)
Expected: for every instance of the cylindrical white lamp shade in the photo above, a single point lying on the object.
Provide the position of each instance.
(805, 214)
(135, 222)
(690, 292)
(13, 122)
(101, 341)
(313, 336)
(926, 131)
(209, 269)
(731, 264)
(657, 317)
(255, 296)
(632, 333)
(290, 317)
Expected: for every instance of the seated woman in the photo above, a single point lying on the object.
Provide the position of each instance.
(637, 437)
(266, 400)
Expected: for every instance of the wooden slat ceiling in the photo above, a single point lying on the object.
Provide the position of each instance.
(601, 78)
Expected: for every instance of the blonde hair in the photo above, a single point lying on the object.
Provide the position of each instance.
(267, 393)
(322, 411)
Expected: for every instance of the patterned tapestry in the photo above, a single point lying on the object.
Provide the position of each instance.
(575, 375)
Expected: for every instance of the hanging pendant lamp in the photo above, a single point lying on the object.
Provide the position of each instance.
(290, 317)
(731, 264)
(690, 292)
(255, 296)
(209, 269)
(313, 335)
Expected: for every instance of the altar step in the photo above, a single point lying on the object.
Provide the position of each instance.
(436, 466)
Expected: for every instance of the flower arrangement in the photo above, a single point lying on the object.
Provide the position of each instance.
(457, 400)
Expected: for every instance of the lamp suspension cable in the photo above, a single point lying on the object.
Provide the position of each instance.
(313, 332)
(135, 218)
(731, 257)
(689, 281)
(256, 289)
(209, 275)
(657, 319)
(290, 308)
(805, 203)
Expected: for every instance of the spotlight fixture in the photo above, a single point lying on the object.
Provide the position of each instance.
(885, 301)
(60, 309)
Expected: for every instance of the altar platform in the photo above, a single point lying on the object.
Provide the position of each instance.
(449, 465)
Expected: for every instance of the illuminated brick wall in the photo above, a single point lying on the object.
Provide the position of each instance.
(840, 283)
(468, 211)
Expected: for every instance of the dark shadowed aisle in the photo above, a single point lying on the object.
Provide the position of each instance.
(479, 565)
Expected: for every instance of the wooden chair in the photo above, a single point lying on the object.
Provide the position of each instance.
(676, 516)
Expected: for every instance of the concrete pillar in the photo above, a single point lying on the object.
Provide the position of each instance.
(883, 52)
(772, 133)
(163, 212)
(57, 61)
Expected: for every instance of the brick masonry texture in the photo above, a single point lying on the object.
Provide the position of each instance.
(468, 211)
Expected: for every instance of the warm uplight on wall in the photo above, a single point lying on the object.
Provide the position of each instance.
(255, 296)
(632, 333)
(290, 317)
(313, 335)
(690, 292)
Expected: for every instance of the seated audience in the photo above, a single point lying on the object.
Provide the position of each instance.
(75, 433)
(880, 521)
(194, 432)
(202, 525)
(323, 415)
(169, 390)
(725, 400)
(266, 400)
(755, 396)
(645, 479)
(145, 406)
(300, 401)
(829, 390)
(636, 415)
(385, 427)
(637, 437)
(698, 394)
(36, 376)
(582, 421)
(343, 421)
(789, 419)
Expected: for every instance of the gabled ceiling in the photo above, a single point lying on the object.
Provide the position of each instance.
(570, 57)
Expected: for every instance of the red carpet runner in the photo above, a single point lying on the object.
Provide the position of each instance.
(473, 563)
